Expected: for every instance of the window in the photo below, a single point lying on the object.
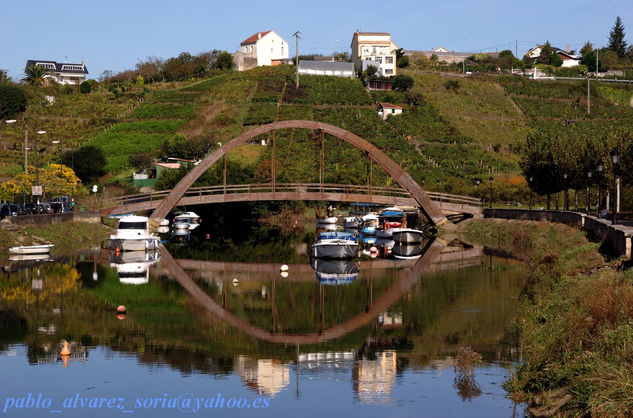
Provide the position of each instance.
(388, 71)
(379, 59)
(388, 60)
(282, 51)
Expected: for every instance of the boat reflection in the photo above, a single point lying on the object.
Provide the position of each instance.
(334, 272)
(265, 376)
(133, 266)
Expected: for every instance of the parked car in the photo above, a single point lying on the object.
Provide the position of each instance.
(8, 210)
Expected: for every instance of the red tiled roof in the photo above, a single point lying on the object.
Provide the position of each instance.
(386, 105)
(255, 37)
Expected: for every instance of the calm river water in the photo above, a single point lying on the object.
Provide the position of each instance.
(231, 336)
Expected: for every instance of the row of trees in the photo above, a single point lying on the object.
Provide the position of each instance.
(551, 153)
(183, 67)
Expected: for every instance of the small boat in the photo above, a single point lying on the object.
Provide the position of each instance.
(328, 220)
(133, 235)
(334, 272)
(325, 215)
(336, 235)
(388, 219)
(186, 220)
(351, 222)
(334, 248)
(31, 249)
(369, 223)
(407, 235)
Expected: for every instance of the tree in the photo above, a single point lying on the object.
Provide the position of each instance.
(401, 59)
(617, 43)
(341, 56)
(12, 101)
(88, 161)
(224, 61)
(35, 75)
(371, 71)
(402, 82)
(589, 59)
(546, 54)
(587, 47)
(556, 60)
(142, 162)
(85, 87)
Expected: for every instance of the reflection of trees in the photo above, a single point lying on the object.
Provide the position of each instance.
(56, 278)
(465, 383)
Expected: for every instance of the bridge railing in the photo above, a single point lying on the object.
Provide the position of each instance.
(299, 188)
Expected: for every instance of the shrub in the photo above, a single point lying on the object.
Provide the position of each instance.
(67, 89)
(85, 87)
(12, 101)
(402, 82)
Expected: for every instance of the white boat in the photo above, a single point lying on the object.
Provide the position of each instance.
(407, 252)
(133, 266)
(369, 224)
(351, 222)
(186, 220)
(407, 235)
(388, 219)
(133, 235)
(334, 248)
(327, 220)
(31, 249)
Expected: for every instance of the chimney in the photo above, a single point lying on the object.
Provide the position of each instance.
(259, 35)
(568, 49)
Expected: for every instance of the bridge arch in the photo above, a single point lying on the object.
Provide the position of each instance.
(427, 206)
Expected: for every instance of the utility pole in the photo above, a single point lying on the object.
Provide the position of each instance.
(516, 49)
(296, 35)
(588, 96)
(597, 69)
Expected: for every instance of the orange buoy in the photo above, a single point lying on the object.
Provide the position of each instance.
(120, 316)
(65, 349)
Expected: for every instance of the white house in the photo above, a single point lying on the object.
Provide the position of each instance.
(569, 60)
(63, 73)
(262, 48)
(387, 109)
(376, 47)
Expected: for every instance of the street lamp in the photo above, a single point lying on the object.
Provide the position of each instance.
(490, 180)
(588, 205)
(599, 169)
(8, 122)
(615, 160)
(60, 156)
(566, 202)
(38, 190)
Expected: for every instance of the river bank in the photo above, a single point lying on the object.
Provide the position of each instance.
(575, 323)
(68, 237)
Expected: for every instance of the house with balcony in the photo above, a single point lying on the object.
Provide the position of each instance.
(261, 48)
(62, 72)
(374, 48)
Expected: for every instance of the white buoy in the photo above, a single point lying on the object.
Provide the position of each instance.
(235, 282)
(284, 274)
(284, 268)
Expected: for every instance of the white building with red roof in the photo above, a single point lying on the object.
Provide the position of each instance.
(262, 48)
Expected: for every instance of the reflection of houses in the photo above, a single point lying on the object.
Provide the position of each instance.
(376, 49)
(389, 320)
(338, 69)
(387, 109)
(63, 73)
(373, 378)
(262, 48)
(266, 376)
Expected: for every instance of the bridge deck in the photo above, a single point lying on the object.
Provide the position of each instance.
(447, 203)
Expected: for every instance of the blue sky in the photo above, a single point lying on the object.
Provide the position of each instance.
(116, 34)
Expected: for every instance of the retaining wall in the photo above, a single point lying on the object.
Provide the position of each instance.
(616, 237)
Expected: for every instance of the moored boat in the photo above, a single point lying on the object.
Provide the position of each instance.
(334, 248)
(186, 220)
(133, 235)
(31, 249)
(388, 219)
(334, 272)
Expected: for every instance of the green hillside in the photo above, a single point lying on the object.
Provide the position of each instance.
(453, 128)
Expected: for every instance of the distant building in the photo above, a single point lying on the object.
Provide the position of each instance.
(387, 109)
(262, 48)
(338, 69)
(63, 73)
(376, 47)
(379, 84)
(444, 55)
(569, 59)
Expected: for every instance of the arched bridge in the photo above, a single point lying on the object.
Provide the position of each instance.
(434, 206)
